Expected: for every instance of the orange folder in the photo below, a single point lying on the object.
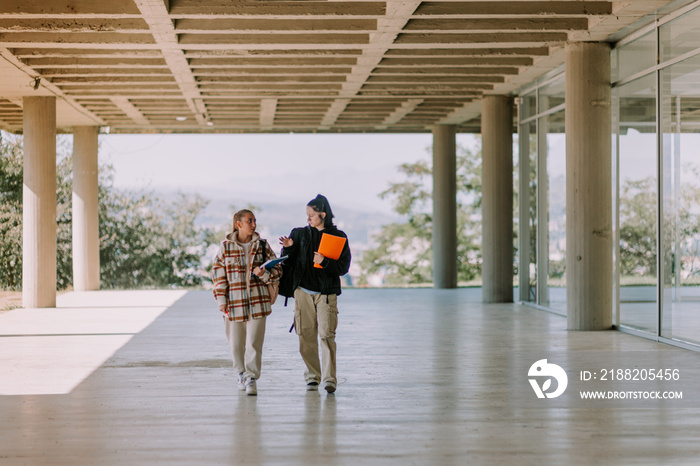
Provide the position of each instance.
(331, 247)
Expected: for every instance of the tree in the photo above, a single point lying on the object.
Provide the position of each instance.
(145, 242)
(10, 212)
(64, 214)
(403, 254)
(638, 227)
(638, 242)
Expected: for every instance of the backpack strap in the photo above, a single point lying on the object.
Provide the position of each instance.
(263, 245)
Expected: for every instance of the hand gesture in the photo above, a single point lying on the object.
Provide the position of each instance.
(286, 242)
(259, 271)
(318, 258)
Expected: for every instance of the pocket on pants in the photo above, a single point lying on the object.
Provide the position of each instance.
(304, 311)
(297, 321)
(333, 303)
(328, 317)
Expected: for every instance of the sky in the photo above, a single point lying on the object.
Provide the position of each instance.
(349, 169)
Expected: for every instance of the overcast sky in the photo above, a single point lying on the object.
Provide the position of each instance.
(350, 169)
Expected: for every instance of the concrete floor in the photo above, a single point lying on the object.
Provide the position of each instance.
(426, 377)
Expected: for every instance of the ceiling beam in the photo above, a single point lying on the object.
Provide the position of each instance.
(398, 114)
(123, 104)
(388, 29)
(279, 26)
(267, 113)
(43, 87)
(20, 9)
(273, 9)
(510, 9)
(496, 24)
(157, 16)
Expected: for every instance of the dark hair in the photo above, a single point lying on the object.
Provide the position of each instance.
(320, 204)
(238, 216)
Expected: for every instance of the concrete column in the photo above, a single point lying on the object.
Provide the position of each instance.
(444, 207)
(86, 245)
(39, 203)
(588, 187)
(497, 199)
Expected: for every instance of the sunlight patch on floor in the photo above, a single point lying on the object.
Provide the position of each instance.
(51, 351)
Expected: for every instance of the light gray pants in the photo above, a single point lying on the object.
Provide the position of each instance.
(316, 317)
(246, 341)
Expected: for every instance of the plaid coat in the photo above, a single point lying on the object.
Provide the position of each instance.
(245, 295)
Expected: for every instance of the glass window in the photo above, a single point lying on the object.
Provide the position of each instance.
(528, 106)
(516, 217)
(680, 36)
(638, 55)
(542, 246)
(556, 204)
(552, 95)
(681, 201)
(528, 245)
(637, 258)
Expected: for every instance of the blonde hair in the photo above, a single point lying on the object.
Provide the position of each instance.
(238, 216)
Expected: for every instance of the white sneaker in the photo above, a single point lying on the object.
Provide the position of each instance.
(330, 387)
(312, 386)
(250, 388)
(241, 381)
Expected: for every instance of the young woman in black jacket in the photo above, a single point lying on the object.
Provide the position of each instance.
(316, 291)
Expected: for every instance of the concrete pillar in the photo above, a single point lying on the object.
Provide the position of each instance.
(444, 207)
(39, 203)
(588, 187)
(86, 245)
(497, 199)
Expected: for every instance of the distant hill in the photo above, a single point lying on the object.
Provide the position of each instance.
(278, 219)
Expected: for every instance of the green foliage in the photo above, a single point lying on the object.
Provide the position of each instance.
(145, 242)
(687, 224)
(403, 254)
(10, 212)
(64, 214)
(638, 227)
(638, 230)
(532, 216)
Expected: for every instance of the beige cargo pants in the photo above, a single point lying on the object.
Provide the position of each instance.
(316, 317)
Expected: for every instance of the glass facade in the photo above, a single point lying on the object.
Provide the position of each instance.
(680, 36)
(556, 212)
(656, 108)
(637, 195)
(634, 57)
(680, 129)
(527, 195)
(656, 184)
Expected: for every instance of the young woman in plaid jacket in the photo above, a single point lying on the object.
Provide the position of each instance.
(242, 290)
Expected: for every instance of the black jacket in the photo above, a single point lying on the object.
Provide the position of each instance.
(301, 256)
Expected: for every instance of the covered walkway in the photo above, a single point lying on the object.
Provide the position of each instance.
(426, 377)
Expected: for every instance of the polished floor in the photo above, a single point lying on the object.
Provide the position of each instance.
(426, 378)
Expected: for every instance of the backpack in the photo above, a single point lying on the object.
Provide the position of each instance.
(273, 288)
(287, 281)
(286, 284)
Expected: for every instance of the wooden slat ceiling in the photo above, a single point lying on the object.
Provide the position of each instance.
(150, 66)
